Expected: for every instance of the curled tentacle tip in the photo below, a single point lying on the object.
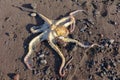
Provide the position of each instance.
(29, 67)
(62, 74)
(28, 64)
(79, 10)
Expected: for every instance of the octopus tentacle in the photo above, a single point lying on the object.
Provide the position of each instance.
(38, 29)
(49, 21)
(77, 42)
(74, 12)
(55, 47)
(68, 23)
(62, 20)
(31, 48)
(73, 19)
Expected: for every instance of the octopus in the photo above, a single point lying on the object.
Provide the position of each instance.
(50, 30)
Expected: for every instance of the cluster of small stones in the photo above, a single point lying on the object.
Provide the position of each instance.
(40, 60)
(107, 68)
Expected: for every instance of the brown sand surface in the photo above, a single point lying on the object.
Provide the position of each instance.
(100, 24)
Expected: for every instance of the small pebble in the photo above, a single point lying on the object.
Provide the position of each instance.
(33, 14)
(101, 74)
(35, 72)
(96, 13)
(112, 22)
(70, 67)
(118, 7)
(47, 53)
(90, 77)
(110, 46)
(104, 72)
(90, 32)
(106, 44)
(41, 55)
(111, 41)
(114, 64)
(43, 62)
(47, 72)
(118, 60)
(83, 29)
(101, 35)
(108, 67)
